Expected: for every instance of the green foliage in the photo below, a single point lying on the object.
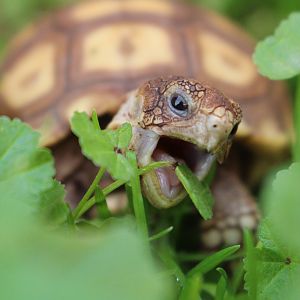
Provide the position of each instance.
(105, 148)
(250, 263)
(278, 269)
(161, 234)
(52, 207)
(113, 265)
(36, 263)
(15, 14)
(55, 265)
(192, 283)
(198, 191)
(284, 208)
(278, 56)
(212, 261)
(25, 170)
(137, 198)
(273, 268)
(93, 187)
(256, 16)
(113, 262)
(191, 288)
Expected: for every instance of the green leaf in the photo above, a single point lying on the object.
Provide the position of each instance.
(284, 210)
(25, 169)
(278, 273)
(221, 285)
(95, 120)
(105, 148)
(161, 234)
(52, 207)
(213, 261)
(120, 137)
(278, 56)
(198, 191)
(111, 265)
(278, 251)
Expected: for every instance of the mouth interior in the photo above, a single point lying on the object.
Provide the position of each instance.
(179, 151)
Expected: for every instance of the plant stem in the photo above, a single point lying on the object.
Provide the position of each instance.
(88, 194)
(138, 206)
(116, 184)
(91, 202)
(296, 148)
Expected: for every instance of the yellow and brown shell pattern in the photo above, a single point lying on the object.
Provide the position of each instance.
(91, 54)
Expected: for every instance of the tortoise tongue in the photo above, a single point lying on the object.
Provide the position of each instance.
(169, 182)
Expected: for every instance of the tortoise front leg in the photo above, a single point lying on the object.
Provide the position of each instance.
(234, 209)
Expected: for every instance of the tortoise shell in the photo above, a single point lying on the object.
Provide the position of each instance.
(91, 54)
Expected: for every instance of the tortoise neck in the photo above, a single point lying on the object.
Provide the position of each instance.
(130, 111)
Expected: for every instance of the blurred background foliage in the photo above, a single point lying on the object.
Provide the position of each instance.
(256, 16)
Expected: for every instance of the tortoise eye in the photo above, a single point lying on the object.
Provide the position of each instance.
(179, 105)
(234, 130)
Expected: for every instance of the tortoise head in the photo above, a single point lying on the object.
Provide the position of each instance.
(178, 120)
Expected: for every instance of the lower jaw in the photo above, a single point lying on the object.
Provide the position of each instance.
(151, 188)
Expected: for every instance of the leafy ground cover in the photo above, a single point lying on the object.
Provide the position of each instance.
(40, 232)
(49, 251)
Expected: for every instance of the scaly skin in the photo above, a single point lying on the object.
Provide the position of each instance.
(205, 118)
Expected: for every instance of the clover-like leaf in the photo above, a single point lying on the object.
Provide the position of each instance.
(106, 147)
(52, 207)
(278, 270)
(120, 137)
(25, 169)
(278, 56)
(284, 209)
(277, 257)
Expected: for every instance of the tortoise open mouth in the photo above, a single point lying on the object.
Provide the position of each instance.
(179, 151)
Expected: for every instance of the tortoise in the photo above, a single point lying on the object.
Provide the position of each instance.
(92, 54)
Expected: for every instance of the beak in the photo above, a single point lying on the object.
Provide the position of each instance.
(223, 151)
